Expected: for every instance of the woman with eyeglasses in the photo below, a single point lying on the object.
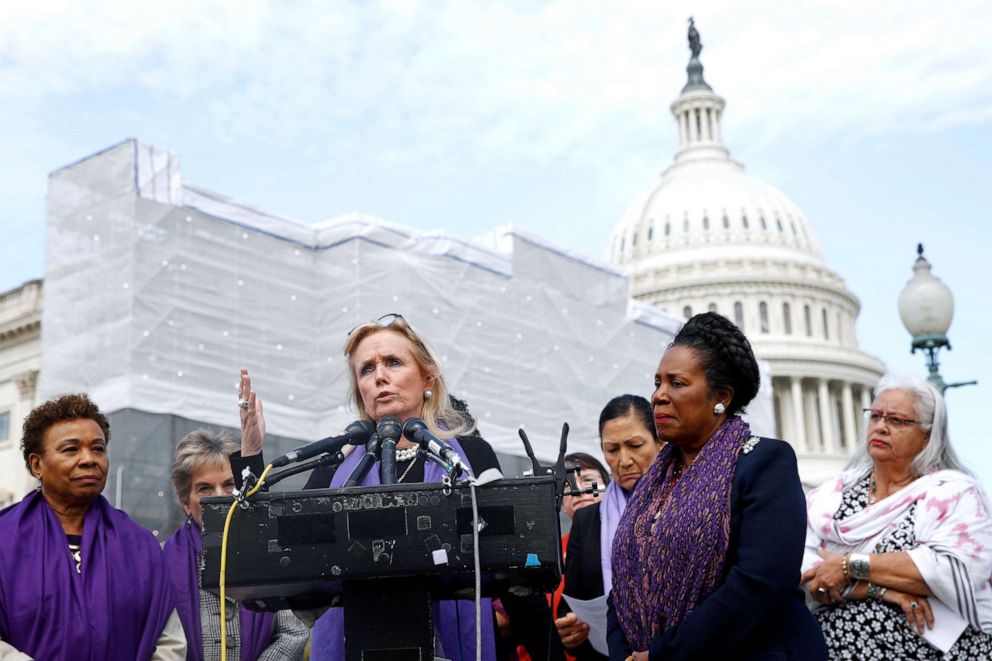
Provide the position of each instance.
(393, 372)
(899, 545)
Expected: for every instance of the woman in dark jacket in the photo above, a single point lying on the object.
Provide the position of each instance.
(706, 559)
(629, 442)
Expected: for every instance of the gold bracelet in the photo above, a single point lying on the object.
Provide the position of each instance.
(844, 566)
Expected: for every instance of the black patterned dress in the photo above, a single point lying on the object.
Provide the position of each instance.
(871, 630)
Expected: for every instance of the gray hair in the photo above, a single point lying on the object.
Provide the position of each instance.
(203, 446)
(937, 454)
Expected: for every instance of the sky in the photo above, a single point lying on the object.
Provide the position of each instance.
(875, 118)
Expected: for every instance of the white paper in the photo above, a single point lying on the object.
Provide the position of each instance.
(947, 626)
(593, 613)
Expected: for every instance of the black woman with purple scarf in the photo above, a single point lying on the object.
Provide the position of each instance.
(707, 555)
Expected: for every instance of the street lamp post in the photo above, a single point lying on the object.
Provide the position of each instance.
(926, 306)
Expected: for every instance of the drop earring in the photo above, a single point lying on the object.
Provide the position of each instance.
(719, 409)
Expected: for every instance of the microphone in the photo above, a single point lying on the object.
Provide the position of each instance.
(354, 434)
(365, 463)
(416, 430)
(389, 432)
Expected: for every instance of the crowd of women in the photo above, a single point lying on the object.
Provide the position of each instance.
(699, 542)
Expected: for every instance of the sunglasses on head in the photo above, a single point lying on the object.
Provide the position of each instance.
(385, 321)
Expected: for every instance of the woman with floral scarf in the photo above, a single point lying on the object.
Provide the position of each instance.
(899, 545)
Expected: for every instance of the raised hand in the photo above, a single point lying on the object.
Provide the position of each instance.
(252, 418)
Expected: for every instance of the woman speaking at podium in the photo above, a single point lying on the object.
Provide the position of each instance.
(394, 372)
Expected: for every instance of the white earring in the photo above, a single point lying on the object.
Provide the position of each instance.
(719, 409)
(428, 394)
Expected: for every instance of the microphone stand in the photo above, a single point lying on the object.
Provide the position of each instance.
(330, 459)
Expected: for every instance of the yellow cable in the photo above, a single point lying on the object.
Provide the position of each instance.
(223, 563)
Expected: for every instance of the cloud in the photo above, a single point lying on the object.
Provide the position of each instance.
(507, 80)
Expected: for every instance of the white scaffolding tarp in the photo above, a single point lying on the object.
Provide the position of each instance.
(157, 293)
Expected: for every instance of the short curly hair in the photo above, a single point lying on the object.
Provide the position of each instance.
(52, 412)
(725, 355)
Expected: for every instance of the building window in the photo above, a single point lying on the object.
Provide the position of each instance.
(744, 219)
(778, 221)
(763, 315)
(840, 329)
(650, 233)
(5, 426)
(685, 224)
(787, 318)
(764, 223)
(739, 315)
(668, 229)
(808, 318)
(633, 239)
(726, 221)
(826, 328)
(706, 222)
(687, 311)
(712, 307)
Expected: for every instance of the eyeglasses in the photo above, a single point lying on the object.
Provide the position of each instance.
(873, 417)
(385, 321)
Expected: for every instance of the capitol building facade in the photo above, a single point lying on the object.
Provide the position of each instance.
(711, 237)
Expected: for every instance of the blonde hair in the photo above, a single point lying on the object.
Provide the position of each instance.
(441, 418)
(197, 448)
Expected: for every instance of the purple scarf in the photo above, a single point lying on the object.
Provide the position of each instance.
(115, 610)
(671, 543)
(181, 553)
(455, 619)
(611, 508)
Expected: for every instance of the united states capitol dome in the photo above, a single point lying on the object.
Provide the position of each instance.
(711, 237)
(712, 202)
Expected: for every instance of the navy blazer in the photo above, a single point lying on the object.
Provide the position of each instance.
(757, 611)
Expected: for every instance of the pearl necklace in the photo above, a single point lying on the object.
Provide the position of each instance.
(406, 454)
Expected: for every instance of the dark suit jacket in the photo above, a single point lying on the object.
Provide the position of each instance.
(757, 611)
(583, 571)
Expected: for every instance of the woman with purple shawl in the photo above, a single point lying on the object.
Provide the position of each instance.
(79, 580)
(202, 467)
(393, 372)
(707, 554)
(629, 442)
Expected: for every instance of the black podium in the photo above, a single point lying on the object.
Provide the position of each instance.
(385, 554)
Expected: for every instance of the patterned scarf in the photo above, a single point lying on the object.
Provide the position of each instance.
(670, 546)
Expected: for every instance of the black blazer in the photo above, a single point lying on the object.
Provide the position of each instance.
(583, 571)
(758, 610)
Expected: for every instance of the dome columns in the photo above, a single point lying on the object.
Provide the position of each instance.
(820, 415)
(698, 115)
